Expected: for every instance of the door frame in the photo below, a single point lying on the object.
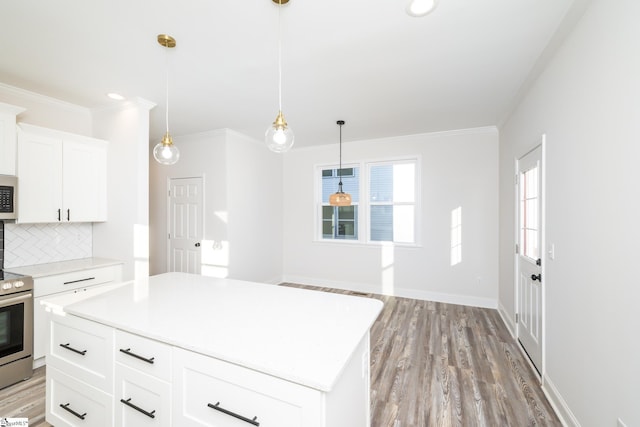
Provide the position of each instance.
(542, 143)
(168, 221)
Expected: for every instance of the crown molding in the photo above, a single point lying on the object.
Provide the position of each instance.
(13, 90)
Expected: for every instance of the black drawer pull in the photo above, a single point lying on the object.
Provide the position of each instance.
(66, 408)
(233, 414)
(79, 280)
(137, 408)
(128, 352)
(68, 347)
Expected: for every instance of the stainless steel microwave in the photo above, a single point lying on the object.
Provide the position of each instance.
(8, 197)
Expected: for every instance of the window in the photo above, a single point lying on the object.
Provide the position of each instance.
(340, 222)
(386, 214)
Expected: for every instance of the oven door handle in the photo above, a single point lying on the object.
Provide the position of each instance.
(15, 299)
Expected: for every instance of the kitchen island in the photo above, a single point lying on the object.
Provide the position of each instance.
(180, 349)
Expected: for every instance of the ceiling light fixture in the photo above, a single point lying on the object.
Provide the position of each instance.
(419, 8)
(340, 198)
(165, 152)
(279, 137)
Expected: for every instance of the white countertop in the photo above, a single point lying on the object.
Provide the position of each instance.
(299, 335)
(62, 267)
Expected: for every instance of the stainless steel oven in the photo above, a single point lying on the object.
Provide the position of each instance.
(16, 328)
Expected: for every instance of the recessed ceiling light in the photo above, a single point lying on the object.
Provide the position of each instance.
(420, 7)
(116, 96)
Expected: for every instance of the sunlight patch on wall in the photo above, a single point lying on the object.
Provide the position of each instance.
(141, 250)
(456, 236)
(387, 269)
(215, 258)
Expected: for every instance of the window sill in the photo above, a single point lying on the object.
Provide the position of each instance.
(345, 242)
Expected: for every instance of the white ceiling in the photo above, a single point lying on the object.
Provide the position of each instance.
(364, 61)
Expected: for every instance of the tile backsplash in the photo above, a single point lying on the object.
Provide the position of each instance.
(28, 244)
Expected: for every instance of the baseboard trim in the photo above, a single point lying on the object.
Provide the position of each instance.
(399, 292)
(558, 403)
(507, 320)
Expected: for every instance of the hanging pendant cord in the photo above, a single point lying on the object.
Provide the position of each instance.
(166, 57)
(340, 170)
(279, 55)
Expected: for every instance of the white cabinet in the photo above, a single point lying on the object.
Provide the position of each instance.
(62, 284)
(8, 115)
(210, 392)
(140, 399)
(63, 177)
(142, 394)
(80, 373)
(73, 403)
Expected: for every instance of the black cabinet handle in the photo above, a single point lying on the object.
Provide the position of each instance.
(79, 280)
(137, 408)
(68, 214)
(77, 414)
(59, 212)
(68, 347)
(128, 352)
(217, 407)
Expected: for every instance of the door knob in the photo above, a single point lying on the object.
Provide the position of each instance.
(539, 262)
(198, 245)
(535, 277)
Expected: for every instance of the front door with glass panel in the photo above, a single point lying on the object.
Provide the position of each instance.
(529, 258)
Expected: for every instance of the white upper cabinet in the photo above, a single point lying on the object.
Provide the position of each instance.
(61, 177)
(8, 115)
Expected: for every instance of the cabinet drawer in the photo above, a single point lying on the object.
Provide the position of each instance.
(141, 400)
(77, 279)
(73, 403)
(83, 349)
(144, 354)
(209, 392)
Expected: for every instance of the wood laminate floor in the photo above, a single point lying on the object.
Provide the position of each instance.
(432, 364)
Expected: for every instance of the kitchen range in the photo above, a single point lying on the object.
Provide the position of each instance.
(16, 323)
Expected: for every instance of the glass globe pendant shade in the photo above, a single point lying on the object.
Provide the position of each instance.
(279, 137)
(165, 152)
(420, 7)
(340, 198)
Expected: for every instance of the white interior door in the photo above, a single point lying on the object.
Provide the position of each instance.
(185, 224)
(529, 255)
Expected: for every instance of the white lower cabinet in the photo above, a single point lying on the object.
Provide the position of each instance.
(100, 376)
(140, 399)
(210, 392)
(73, 403)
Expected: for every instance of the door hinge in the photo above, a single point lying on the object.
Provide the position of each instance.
(517, 249)
(517, 317)
(169, 236)
(516, 179)
(169, 193)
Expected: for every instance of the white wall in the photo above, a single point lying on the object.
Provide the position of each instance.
(242, 204)
(255, 195)
(458, 169)
(125, 233)
(201, 155)
(587, 102)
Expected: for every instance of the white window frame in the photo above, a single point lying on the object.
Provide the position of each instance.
(364, 205)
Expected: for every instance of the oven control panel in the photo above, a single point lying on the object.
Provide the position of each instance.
(16, 285)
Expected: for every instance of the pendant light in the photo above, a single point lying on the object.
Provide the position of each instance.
(165, 152)
(279, 136)
(340, 198)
